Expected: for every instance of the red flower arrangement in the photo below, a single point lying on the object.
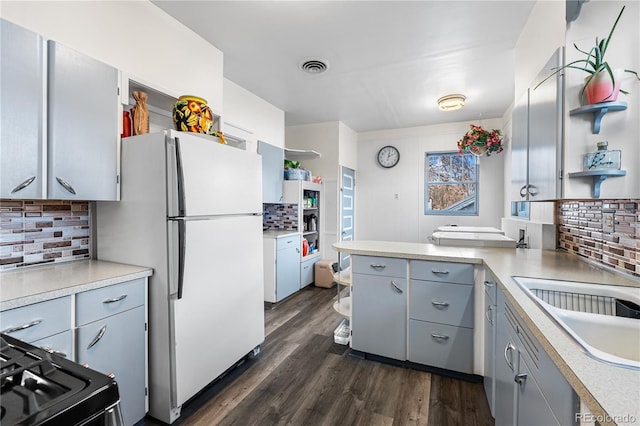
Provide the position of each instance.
(479, 141)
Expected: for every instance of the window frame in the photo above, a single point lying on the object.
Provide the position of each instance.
(427, 184)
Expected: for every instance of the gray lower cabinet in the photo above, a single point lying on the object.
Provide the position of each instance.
(59, 124)
(45, 324)
(441, 315)
(110, 338)
(379, 306)
(529, 388)
(490, 315)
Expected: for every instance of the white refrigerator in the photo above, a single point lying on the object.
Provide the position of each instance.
(191, 208)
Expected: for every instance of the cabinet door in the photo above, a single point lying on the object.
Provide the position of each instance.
(519, 149)
(82, 126)
(272, 172)
(489, 353)
(545, 133)
(379, 315)
(22, 118)
(117, 345)
(533, 409)
(307, 272)
(287, 271)
(59, 344)
(505, 371)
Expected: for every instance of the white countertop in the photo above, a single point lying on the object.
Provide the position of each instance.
(277, 233)
(24, 286)
(610, 392)
(478, 229)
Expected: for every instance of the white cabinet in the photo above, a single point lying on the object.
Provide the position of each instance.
(272, 172)
(59, 121)
(537, 135)
(379, 306)
(281, 267)
(530, 390)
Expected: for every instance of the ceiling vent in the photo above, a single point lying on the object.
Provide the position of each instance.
(314, 65)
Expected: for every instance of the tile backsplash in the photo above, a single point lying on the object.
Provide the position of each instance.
(34, 232)
(280, 216)
(604, 231)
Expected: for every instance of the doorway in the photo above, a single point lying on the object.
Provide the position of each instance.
(347, 211)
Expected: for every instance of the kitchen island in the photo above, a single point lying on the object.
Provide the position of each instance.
(610, 393)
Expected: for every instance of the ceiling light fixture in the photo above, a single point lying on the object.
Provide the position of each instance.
(451, 102)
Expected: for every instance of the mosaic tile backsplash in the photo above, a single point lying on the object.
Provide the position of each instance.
(42, 231)
(604, 231)
(280, 216)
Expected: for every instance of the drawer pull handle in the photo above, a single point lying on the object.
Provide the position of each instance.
(440, 336)
(508, 348)
(440, 272)
(489, 283)
(98, 337)
(520, 378)
(488, 314)
(439, 304)
(22, 327)
(115, 299)
(395, 287)
(53, 351)
(378, 266)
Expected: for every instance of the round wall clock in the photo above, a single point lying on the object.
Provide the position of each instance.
(388, 156)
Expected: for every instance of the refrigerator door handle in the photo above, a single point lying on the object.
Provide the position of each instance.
(181, 252)
(180, 178)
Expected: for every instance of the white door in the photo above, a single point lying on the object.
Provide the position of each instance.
(220, 317)
(347, 211)
(213, 178)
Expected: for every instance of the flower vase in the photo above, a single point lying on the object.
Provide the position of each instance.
(600, 89)
(192, 114)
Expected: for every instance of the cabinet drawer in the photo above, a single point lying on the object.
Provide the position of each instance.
(103, 302)
(286, 242)
(444, 303)
(442, 346)
(60, 344)
(450, 272)
(374, 265)
(37, 321)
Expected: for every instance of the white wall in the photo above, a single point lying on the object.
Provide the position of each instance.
(347, 147)
(247, 111)
(390, 202)
(621, 129)
(134, 36)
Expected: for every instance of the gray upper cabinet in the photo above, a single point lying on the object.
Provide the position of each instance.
(272, 172)
(537, 133)
(22, 102)
(59, 121)
(82, 126)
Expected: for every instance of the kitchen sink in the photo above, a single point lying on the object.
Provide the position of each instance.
(604, 320)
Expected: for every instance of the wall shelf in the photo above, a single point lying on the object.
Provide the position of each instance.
(598, 111)
(300, 154)
(598, 176)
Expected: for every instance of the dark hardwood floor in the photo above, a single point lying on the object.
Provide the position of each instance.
(302, 377)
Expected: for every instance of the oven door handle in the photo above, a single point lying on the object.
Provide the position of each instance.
(98, 337)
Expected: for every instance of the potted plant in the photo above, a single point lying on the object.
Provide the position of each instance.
(603, 82)
(293, 170)
(478, 141)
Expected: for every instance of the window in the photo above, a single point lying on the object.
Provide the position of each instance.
(451, 184)
(520, 209)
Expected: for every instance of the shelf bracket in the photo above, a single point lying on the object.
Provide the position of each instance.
(598, 177)
(599, 110)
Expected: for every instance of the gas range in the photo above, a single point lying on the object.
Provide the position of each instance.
(40, 388)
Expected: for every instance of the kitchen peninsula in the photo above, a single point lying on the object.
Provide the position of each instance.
(610, 393)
